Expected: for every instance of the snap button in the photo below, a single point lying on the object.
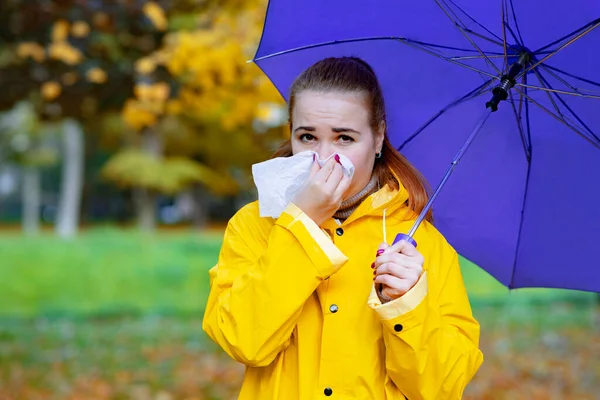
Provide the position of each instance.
(333, 308)
(328, 391)
(398, 327)
(339, 231)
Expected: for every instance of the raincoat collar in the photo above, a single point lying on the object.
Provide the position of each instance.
(385, 199)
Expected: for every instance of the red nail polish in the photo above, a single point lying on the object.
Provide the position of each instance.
(337, 158)
(380, 252)
(373, 265)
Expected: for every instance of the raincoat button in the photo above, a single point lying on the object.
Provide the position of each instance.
(398, 327)
(333, 308)
(339, 231)
(328, 392)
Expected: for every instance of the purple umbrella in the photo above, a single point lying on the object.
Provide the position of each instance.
(516, 83)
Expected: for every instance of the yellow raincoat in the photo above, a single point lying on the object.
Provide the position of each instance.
(296, 304)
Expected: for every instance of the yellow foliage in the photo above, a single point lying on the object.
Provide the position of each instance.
(50, 90)
(218, 84)
(96, 75)
(137, 116)
(155, 14)
(156, 92)
(135, 168)
(173, 107)
(31, 49)
(66, 53)
(145, 65)
(60, 31)
(80, 29)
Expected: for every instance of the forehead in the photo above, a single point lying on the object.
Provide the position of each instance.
(330, 107)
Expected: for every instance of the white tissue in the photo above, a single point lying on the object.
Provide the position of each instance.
(279, 179)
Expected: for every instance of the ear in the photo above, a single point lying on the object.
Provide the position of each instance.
(380, 136)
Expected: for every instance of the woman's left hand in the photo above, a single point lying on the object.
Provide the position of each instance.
(397, 269)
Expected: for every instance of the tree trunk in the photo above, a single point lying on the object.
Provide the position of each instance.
(146, 209)
(31, 198)
(145, 199)
(72, 180)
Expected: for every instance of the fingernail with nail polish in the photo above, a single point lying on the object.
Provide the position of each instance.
(373, 265)
(337, 158)
(380, 252)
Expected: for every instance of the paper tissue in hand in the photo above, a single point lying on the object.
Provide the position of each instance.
(279, 179)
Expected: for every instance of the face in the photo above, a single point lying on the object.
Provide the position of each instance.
(337, 122)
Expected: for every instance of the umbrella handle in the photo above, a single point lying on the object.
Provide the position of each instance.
(406, 238)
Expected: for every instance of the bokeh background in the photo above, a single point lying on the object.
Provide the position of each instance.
(127, 133)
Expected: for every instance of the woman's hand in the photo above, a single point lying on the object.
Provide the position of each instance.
(323, 191)
(396, 269)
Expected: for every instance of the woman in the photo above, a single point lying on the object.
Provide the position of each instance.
(316, 303)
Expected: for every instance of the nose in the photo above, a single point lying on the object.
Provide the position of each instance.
(324, 150)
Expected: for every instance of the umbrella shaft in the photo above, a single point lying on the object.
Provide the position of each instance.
(453, 165)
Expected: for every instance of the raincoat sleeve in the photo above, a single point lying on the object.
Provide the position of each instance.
(430, 334)
(263, 277)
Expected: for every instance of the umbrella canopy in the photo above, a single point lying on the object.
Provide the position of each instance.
(524, 203)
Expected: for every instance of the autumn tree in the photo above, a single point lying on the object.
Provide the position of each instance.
(72, 61)
(197, 107)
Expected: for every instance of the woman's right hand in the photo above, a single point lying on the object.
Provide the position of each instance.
(323, 192)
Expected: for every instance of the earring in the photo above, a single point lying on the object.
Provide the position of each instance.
(378, 155)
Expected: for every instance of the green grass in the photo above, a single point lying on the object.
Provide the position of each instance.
(121, 272)
(106, 271)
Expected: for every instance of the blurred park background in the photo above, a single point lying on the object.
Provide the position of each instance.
(127, 132)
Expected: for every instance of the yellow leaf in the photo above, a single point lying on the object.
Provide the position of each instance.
(80, 29)
(137, 116)
(145, 66)
(50, 90)
(66, 53)
(96, 75)
(156, 15)
(60, 31)
(31, 49)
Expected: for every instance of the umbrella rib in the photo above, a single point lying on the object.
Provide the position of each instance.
(573, 40)
(537, 74)
(564, 82)
(576, 31)
(475, 57)
(550, 67)
(466, 35)
(527, 121)
(521, 224)
(545, 89)
(519, 125)
(505, 63)
(474, 20)
(479, 90)
(373, 38)
(564, 122)
(514, 15)
(570, 110)
(410, 43)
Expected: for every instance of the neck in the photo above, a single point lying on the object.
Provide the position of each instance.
(349, 205)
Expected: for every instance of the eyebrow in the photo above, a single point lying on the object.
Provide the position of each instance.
(336, 130)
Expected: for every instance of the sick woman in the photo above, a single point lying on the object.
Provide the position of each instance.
(317, 303)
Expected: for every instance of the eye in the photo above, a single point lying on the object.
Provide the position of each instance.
(345, 139)
(306, 137)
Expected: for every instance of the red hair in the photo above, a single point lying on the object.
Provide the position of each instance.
(351, 74)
